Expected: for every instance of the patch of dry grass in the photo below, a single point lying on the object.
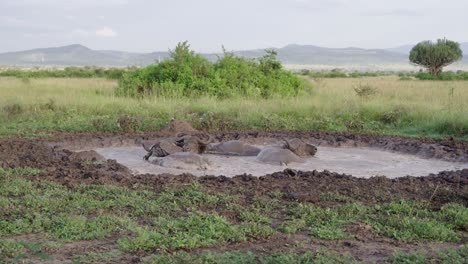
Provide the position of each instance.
(422, 108)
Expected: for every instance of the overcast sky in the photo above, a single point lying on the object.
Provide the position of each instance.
(144, 25)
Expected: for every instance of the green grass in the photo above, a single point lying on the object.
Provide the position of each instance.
(405, 221)
(18, 250)
(413, 108)
(412, 221)
(72, 227)
(452, 256)
(192, 231)
(186, 218)
(408, 258)
(10, 249)
(94, 257)
(322, 257)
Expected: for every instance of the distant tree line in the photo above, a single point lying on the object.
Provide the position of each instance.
(68, 72)
(421, 75)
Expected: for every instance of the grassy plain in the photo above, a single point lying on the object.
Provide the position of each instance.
(385, 105)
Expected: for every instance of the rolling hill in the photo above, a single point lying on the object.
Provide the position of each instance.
(79, 55)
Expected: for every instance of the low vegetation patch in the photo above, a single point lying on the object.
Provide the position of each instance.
(192, 231)
(454, 256)
(96, 257)
(321, 257)
(405, 221)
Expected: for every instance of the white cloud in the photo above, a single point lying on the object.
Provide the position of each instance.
(106, 32)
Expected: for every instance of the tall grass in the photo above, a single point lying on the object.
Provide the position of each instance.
(418, 108)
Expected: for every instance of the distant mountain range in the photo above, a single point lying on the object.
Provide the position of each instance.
(79, 55)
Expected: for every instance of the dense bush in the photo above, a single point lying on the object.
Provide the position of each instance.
(68, 72)
(189, 74)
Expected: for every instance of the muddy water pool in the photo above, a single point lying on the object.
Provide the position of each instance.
(359, 162)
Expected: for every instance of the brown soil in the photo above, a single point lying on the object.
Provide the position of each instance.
(176, 126)
(71, 169)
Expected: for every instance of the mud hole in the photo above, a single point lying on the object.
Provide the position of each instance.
(70, 160)
(359, 162)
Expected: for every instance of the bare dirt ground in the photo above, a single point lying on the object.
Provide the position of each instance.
(59, 161)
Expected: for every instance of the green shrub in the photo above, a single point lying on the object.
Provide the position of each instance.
(187, 74)
(9, 249)
(365, 90)
(13, 109)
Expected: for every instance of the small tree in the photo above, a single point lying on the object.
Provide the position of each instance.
(435, 56)
(184, 65)
(268, 62)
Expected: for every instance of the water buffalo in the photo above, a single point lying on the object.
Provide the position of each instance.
(278, 156)
(183, 161)
(299, 147)
(233, 147)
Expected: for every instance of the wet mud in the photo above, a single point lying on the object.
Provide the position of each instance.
(61, 162)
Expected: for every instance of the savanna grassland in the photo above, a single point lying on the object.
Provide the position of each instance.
(56, 208)
(383, 105)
